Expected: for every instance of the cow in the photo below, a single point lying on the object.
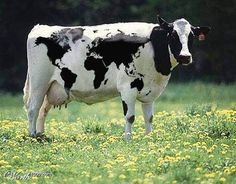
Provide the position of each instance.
(92, 64)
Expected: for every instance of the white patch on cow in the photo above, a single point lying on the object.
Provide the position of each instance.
(183, 28)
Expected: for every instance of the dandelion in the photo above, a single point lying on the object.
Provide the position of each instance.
(211, 156)
(54, 166)
(34, 178)
(149, 175)
(198, 169)
(3, 162)
(222, 179)
(111, 175)
(223, 152)
(210, 175)
(147, 181)
(122, 177)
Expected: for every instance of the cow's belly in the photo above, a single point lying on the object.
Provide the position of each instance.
(57, 95)
(83, 89)
(95, 96)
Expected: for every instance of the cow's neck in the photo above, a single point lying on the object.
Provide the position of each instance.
(164, 60)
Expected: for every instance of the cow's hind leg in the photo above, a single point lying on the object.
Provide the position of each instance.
(42, 116)
(128, 102)
(34, 105)
(148, 116)
(38, 86)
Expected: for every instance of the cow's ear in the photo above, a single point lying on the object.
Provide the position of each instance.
(164, 24)
(200, 32)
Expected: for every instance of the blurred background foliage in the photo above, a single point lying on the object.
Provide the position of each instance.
(214, 58)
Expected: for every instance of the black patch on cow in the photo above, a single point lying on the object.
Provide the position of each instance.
(131, 71)
(159, 42)
(137, 83)
(127, 38)
(141, 75)
(95, 31)
(105, 82)
(119, 49)
(55, 51)
(120, 31)
(82, 40)
(100, 70)
(131, 119)
(108, 34)
(125, 107)
(57, 45)
(68, 77)
(151, 119)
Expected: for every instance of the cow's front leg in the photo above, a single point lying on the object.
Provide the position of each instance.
(148, 116)
(128, 102)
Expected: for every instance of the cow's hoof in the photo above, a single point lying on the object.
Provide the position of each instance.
(33, 135)
(40, 136)
(148, 132)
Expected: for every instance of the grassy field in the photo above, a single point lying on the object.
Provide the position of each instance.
(194, 141)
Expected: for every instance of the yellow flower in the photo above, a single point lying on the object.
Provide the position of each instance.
(108, 166)
(18, 182)
(222, 179)
(147, 181)
(211, 156)
(34, 178)
(223, 152)
(54, 166)
(210, 175)
(122, 176)
(3, 162)
(111, 175)
(198, 169)
(149, 175)
(96, 178)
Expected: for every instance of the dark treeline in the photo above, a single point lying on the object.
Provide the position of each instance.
(214, 58)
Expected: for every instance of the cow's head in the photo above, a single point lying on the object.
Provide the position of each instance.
(180, 35)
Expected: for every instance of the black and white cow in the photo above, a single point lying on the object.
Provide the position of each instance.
(94, 63)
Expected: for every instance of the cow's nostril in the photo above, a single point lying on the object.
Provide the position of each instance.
(184, 59)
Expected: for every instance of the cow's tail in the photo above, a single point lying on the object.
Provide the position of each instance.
(26, 91)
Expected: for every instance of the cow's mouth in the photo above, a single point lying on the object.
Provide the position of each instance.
(184, 60)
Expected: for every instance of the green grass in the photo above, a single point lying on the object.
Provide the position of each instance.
(194, 140)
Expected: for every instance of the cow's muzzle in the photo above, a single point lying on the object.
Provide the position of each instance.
(184, 60)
